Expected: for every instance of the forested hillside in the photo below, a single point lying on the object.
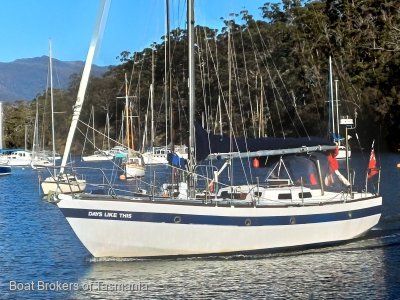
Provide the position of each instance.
(272, 74)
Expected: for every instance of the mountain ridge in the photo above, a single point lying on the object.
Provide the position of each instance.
(24, 78)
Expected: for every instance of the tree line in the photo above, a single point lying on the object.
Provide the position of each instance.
(266, 77)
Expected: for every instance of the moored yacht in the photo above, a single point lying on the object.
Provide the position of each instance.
(302, 200)
(19, 158)
(65, 183)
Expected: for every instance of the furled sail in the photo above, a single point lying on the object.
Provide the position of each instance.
(219, 145)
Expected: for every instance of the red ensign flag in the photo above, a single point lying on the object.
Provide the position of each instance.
(372, 169)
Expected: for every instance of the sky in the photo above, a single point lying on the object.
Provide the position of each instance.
(26, 26)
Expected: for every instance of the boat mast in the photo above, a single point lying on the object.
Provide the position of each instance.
(26, 137)
(230, 102)
(261, 116)
(100, 23)
(93, 132)
(220, 115)
(108, 130)
(166, 66)
(171, 106)
(35, 143)
(152, 100)
(168, 84)
(127, 116)
(337, 111)
(191, 86)
(52, 107)
(332, 111)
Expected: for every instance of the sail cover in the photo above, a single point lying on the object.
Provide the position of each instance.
(208, 143)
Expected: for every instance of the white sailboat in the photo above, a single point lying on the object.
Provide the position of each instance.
(158, 155)
(98, 155)
(45, 158)
(19, 158)
(118, 152)
(59, 183)
(133, 163)
(287, 210)
(39, 160)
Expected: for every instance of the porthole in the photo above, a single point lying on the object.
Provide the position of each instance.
(247, 222)
(177, 219)
(305, 195)
(286, 196)
(350, 214)
(292, 220)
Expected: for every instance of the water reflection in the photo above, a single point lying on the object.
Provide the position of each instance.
(347, 271)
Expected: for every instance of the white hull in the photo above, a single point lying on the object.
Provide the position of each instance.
(19, 162)
(150, 159)
(134, 171)
(41, 164)
(55, 158)
(159, 155)
(96, 158)
(145, 229)
(50, 186)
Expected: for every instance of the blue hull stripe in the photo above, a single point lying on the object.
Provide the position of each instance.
(218, 220)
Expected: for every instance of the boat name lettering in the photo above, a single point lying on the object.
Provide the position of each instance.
(110, 214)
(95, 214)
(125, 215)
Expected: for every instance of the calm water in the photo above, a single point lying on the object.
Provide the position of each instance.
(37, 246)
